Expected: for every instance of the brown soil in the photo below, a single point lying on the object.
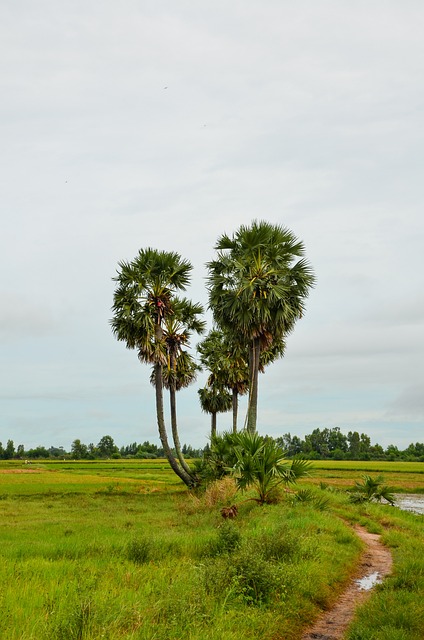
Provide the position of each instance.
(19, 471)
(332, 624)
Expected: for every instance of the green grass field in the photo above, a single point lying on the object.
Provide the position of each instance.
(402, 476)
(119, 550)
(152, 475)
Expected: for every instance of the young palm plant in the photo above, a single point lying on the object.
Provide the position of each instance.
(261, 465)
(219, 459)
(371, 490)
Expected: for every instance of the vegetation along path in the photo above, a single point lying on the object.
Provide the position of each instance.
(375, 564)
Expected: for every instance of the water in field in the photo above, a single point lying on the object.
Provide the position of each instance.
(368, 582)
(410, 502)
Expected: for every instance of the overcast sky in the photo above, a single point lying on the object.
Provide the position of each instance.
(165, 123)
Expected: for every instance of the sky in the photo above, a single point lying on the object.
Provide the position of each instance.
(155, 123)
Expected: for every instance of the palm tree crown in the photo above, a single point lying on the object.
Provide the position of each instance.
(142, 299)
(256, 284)
(214, 399)
(257, 289)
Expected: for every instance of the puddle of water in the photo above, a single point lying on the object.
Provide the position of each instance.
(368, 582)
(410, 502)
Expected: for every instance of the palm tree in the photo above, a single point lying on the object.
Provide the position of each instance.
(143, 300)
(214, 399)
(181, 369)
(226, 359)
(257, 289)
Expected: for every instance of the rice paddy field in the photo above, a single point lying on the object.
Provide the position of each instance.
(404, 477)
(118, 549)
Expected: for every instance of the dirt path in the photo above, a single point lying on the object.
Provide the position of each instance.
(376, 559)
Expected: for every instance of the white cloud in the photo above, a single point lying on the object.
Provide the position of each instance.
(307, 114)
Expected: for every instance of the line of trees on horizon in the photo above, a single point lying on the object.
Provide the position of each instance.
(327, 444)
(321, 444)
(104, 449)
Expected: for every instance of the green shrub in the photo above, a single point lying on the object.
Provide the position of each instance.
(277, 545)
(139, 551)
(229, 538)
(246, 575)
(255, 579)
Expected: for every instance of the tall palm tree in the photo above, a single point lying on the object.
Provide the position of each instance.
(226, 359)
(214, 399)
(257, 289)
(181, 369)
(143, 300)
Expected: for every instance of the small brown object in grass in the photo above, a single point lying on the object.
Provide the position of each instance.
(229, 512)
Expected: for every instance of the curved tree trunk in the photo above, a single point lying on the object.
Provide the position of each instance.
(235, 409)
(173, 408)
(254, 354)
(181, 473)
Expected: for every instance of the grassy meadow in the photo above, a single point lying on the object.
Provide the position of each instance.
(119, 550)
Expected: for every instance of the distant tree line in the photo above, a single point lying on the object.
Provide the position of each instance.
(321, 444)
(105, 448)
(324, 444)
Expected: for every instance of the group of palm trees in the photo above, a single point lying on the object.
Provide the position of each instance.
(257, 287)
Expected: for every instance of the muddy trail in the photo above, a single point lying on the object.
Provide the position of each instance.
(375, 564)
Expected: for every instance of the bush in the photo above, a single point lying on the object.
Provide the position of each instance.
(228, 539)
(255, 579)
(246, 573)
(139, 551)
(277, 545)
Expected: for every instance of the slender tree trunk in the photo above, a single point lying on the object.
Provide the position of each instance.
(213, 425)
(254, 353)
(185, 477)
(173, 408)
(235, 409)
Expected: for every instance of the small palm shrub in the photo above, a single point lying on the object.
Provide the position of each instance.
(219, 459)
(261, 465)
(371, 490)
(256, 462)
(307, 496)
